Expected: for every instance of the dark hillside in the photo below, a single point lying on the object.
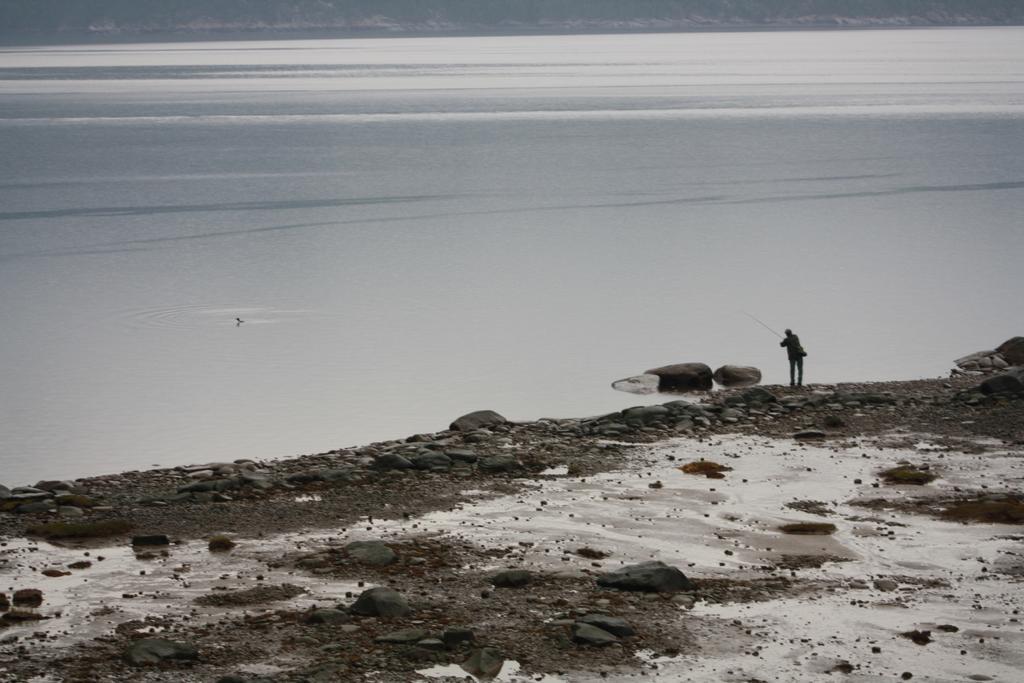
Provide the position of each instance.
(48, 16)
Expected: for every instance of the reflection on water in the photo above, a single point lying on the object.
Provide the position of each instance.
(416, 228)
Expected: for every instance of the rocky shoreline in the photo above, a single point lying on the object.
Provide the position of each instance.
(292, 547)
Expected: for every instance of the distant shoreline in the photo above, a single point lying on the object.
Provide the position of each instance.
(125, 36)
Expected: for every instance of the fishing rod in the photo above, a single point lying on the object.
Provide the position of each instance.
(758, 321)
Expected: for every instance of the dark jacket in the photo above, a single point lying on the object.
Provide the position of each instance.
(793, 348)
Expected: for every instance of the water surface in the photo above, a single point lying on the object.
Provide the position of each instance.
(416, 228)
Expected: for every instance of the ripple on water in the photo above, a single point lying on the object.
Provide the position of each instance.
(197, 316)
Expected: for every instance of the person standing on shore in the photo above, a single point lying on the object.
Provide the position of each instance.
(796, 355)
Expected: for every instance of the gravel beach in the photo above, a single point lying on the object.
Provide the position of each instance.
(869, 530)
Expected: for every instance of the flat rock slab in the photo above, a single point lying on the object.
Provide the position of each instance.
(406, 637)
(640, 384)
(588, 634)
(614, 625)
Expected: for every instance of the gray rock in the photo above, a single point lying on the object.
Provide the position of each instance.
(588, 634)
(462, 454)
(336, 475)
(29, 495)
(759, 395)
(210, 485)
(512, 578)
(303, 478)
(380, 602)
(435, 644)
(55, 485)
(886, 585)
(614, 625)
(4, 492)
(1012, 350)
(453, 637)
(737, 376)
(498, 463)
(651, 577)
(809, 434)
(1011, 382)
(476, 420)
(645, 414)
(327, 616)
(35, 507)
(70, 511)
(28, 490)
(683, 377)
(392, 461)
(731, 414)
(640, 384)
(484, 662)
(405, 637)
(428, 460)
(156, 650)
(372, 553)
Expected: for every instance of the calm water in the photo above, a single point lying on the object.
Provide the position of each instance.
(416, 228)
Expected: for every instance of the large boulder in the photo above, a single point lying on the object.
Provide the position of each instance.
(477, 420)
(156, 650)
(683, 377)
(649, 577)
(737, 376)
(1007, 383)
(1012, 350)
(380, 602)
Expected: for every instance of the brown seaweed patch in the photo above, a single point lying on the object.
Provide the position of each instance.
(814, 507)
(908, 475)
(253, 596)
(711, 470)
(988, 512)
(106, 527)
(220, 543)
(809, 528)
